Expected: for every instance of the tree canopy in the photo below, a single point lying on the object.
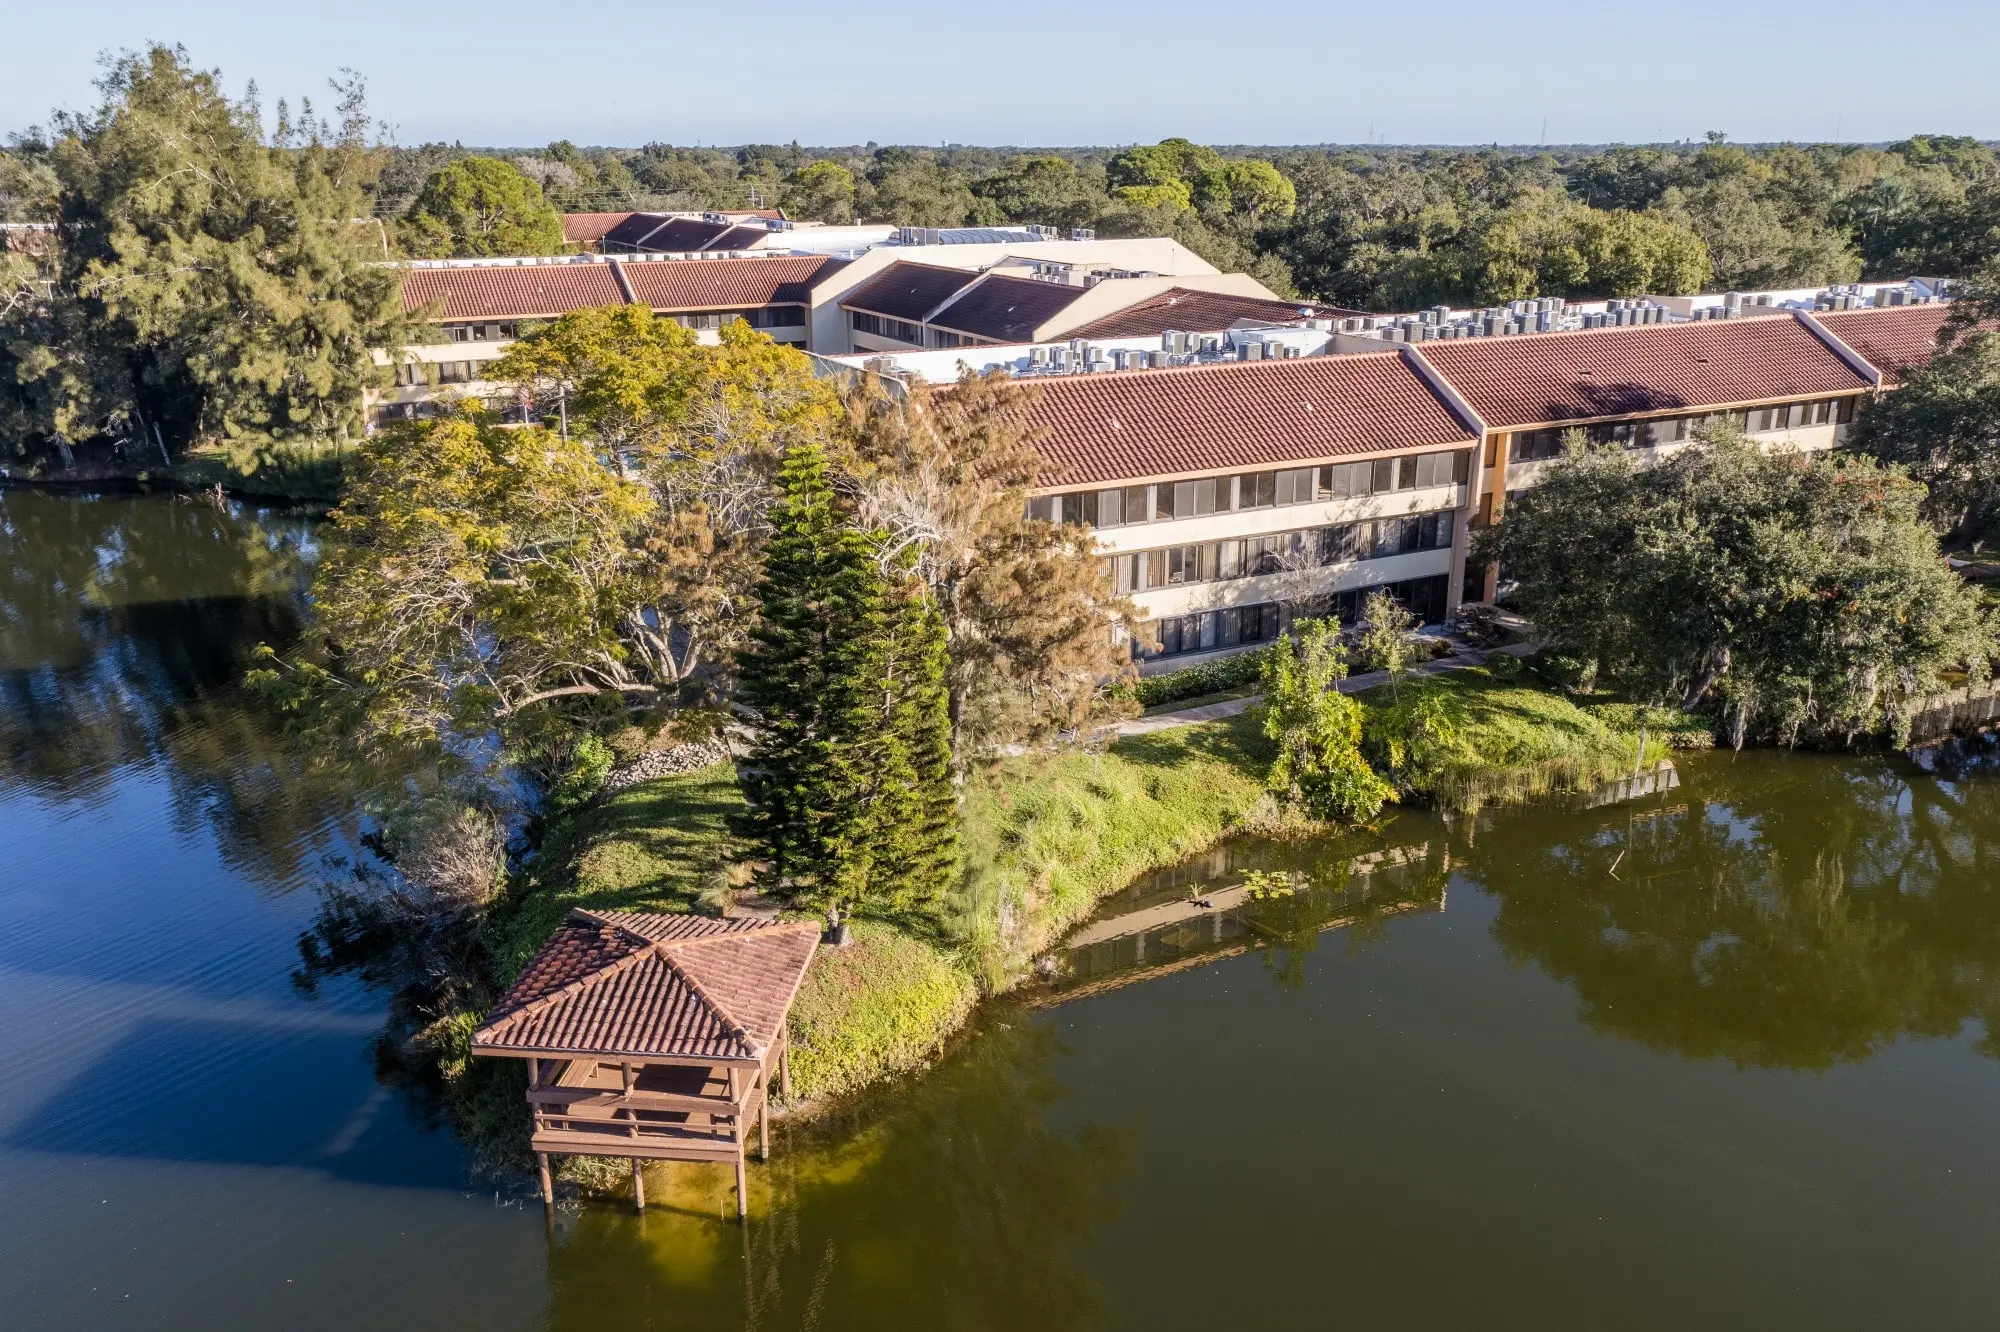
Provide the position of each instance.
(480, 206)
(208, 283)
(1802, 595)
(1942, 426)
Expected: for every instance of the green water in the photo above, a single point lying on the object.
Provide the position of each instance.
(1717, 1057)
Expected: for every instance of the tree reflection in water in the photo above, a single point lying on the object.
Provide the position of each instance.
(956, 1198)
(1794, 912)
(126, 625)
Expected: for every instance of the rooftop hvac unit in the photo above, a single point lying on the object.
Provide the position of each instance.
(1121, 358)
(1038, 355)
(1083, 233)
(1731, 299)
(1098, 364)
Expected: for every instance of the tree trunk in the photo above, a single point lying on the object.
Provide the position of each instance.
(1718, 666)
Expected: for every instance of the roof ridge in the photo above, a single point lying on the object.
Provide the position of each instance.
(665, 951)
(577, 986)
(765, 927)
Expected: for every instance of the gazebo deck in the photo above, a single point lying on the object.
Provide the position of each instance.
(652, 1037)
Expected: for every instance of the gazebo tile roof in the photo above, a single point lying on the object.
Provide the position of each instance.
(662, 986)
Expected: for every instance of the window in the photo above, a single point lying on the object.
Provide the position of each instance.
(1256, 490)
(1213, 629)
(1183, 565)
(1079, 506)
(1665, 430)
(1346, 479)
(454, 372)
(1382, 475)
(1434, 469)
(1296, 485)
(1192, 499)
(776, 316)
(886, 328)
(940, 337)
(1535, 445)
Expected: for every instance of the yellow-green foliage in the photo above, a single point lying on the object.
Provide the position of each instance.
(1516, 742)
(882, 1006)
(1046, 836)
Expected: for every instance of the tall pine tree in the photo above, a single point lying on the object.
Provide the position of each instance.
(916, 810)
(809, 685)
(847, 686)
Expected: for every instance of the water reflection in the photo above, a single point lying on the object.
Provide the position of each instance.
(126, 624)
(1279, 895)
(1793, 911)
(960, 1199)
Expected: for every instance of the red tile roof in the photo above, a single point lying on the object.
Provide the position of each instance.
(906, 290)
(510, 291)
(623, 983)
(726, 284)
(1891, 340)
(1006, 309)
(583, 228)
(1200, 312)
(1129, 425)
(1543, 378)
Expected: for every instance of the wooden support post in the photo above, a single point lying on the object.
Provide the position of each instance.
(638, 1184)
(785, 1069)
(548, 1189)
(742, 1183)
(764, 1129)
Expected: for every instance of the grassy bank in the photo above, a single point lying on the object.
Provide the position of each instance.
(1047, 835)
(1519, 741)
(882, 1007)
(1045, 838)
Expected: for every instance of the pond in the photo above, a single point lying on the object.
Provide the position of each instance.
(1727, 1055)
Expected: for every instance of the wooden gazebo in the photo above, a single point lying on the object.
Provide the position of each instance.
(653, 1037)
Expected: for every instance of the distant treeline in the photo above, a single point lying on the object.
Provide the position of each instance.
(215, 279)
(1373, 227)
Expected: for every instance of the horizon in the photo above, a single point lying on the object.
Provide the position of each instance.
(1563, 75)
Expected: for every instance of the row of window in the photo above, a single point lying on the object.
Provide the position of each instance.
(1122, 506)
(510, 411)
(1278, 552)
(501, 332)
(1536, 445)
(883, 327)
(417, 374)
(1207, 631)
(763, 316)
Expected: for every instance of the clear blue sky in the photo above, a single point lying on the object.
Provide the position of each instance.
(505, 72)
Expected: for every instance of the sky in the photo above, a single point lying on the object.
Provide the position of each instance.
(510, 73)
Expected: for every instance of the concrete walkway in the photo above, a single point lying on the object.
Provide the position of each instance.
(1353, 684)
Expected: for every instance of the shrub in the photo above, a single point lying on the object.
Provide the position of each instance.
(1211, 677)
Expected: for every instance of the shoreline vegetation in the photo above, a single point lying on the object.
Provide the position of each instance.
(1045, 838)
